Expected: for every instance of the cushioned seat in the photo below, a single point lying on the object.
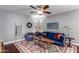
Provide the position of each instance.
(29, 37)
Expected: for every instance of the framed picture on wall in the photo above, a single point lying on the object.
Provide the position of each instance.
(53, 25)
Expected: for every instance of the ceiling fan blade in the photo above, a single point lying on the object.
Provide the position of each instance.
(47, 12)
(39, 6)
(33, 7)
(32, 12)
(45, 7)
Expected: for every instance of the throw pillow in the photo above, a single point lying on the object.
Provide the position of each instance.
(57, 36)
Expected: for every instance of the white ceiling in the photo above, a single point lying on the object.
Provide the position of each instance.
(25, 9)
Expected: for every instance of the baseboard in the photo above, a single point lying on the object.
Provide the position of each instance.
(75, 43)
(12, 41)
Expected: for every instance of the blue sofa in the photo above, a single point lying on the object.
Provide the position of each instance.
(52, 36)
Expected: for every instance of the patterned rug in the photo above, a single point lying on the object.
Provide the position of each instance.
(66, 49)
(24, 47)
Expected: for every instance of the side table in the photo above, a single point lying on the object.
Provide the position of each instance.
(69, 41)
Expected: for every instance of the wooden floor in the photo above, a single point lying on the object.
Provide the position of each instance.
(10, 48)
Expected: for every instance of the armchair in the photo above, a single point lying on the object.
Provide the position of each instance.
(29, 36)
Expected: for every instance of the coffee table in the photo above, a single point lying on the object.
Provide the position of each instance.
(47, 42)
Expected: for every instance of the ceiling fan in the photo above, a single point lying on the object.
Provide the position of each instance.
(40, 9)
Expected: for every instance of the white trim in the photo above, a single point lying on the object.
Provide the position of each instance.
(75, 43)
(12, 41)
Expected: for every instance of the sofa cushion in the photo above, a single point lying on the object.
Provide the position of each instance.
(58, 36)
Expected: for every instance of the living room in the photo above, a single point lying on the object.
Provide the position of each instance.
(18, 20)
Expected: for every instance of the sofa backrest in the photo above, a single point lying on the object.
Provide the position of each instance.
(52, 35)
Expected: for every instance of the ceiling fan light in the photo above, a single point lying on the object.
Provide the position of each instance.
(39, 12)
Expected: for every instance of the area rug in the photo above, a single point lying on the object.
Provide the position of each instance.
(24, 47)
(66, 49)
(53, 49)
